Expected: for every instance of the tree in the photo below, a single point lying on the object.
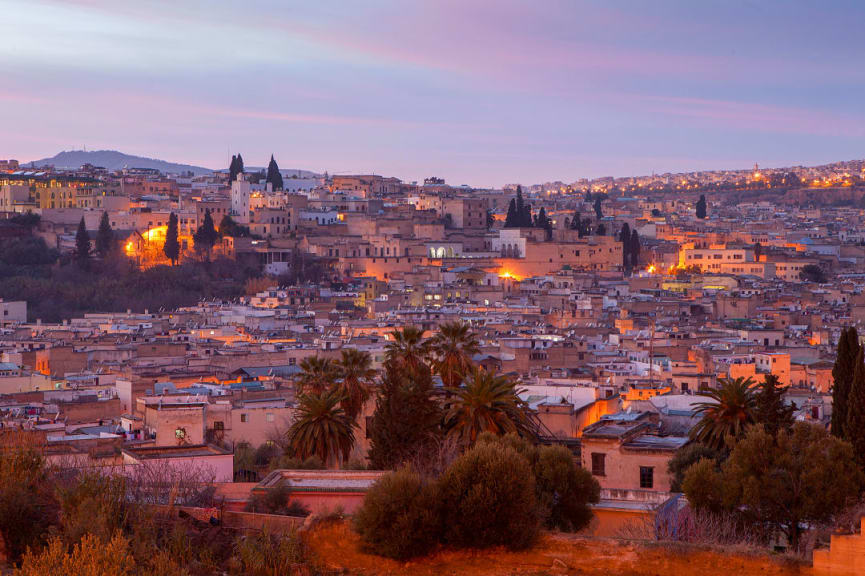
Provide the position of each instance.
(801, 476)
(601, 230)
(842, 376)
(855, 428)
(599, 212)
(758, 251)
(564, 490)
(511, 220)
(452, 349)
(701, 207)
(82, 244)
(490, 499)
(407, 349)
(491, 220)
(769, 407)
(407, 419)
(317, 374)
(206, 235)
(400, 516)
(228, 227)
(520, 208)
(634, 248)
(625, 239)
(684, 458)
(171, 248)
(321, 428)
(542, 221)
(486, 402)
(235, 168)
(105, 237)
(274, 176)
(729, 412)
(576, 221)
(356, 375)
(812, 273)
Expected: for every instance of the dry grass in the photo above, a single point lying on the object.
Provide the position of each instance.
(339, 549)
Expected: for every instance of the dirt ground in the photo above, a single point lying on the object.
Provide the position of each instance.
(338, 547)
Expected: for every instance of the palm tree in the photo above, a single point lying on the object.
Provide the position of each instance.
(486, 402)
(730, 411)
(317, 374)
(452, 349)
(321, 428)
(408, 349)
(356, 373)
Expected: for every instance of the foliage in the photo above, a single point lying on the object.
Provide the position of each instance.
(490, 496)
(317, 375)
(91, 557)
(634, 248)
(625, 239)
(171, 248)
(769, 407)
(486, 402)
(543, 221)
(206, 235)
(29, 219)
(564, 490)
(452, 350)
(684, 458)
(599, 211)
(854, 430)
(801, 476)
(274, 176)
(321, 428)
(812, 273)
(266, 554)
(701, 207)
(519, 213)
(83, 246)
(270, 500)
(407, 419)
(842, 376)
(235, 168)
(27, 503)
(728, 414)
(105, 241)
(91, 503)
(355, 378)
(407, 349)
(400, 517)
(228, 227)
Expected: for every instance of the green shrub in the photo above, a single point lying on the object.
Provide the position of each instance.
(488, 497)
(400, 516)
(271, 501)
(564, 491)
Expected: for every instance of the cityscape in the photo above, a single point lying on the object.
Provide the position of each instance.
(254, 361)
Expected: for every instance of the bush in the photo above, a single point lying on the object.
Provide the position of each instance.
(400, 516)
(265, 554)
(564, 491)
(489, 496)
(271, 501)
(91, 557)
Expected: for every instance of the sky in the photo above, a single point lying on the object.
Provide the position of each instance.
(480, 92)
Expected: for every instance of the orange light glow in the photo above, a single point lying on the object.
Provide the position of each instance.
(651, 269)
(509, 276)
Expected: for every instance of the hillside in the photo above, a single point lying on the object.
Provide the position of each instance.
(113, 160)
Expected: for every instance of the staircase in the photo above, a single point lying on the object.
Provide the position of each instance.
(845, 556)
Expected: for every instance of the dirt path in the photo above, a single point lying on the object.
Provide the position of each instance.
(339, 548)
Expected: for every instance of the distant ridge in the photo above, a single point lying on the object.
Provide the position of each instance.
(112, 160)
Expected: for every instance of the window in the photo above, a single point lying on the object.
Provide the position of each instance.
(219, 425)
(244, 417)
(598, 468)
(647, 477)
(268, 417)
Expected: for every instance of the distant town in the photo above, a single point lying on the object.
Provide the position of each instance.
(286, 338)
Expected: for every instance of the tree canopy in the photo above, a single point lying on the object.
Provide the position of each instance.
(274, 176)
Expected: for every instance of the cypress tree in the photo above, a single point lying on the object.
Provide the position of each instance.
(625, 239)
(206, 235)
(701, 207)
(274, 176)
(601, 230)
(104, 237)
(82, 244)
(576, 221)
(511, 218)
(855, 428)
(842, 376)
(635, 248)
(171, 248)
(599, 212)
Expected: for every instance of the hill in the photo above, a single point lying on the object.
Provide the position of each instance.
(113, 160)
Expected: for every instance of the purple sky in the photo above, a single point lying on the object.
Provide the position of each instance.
(479, 92)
